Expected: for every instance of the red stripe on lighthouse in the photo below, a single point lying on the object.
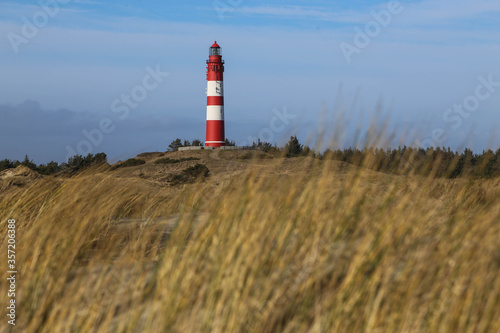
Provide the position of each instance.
(215, 133)
(215, 100)
(215, 74)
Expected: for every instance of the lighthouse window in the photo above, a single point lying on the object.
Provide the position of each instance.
(215, 51)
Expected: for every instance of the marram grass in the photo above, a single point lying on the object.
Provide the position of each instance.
(286, 245)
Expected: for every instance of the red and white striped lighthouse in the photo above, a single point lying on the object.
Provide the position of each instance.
(215, 98)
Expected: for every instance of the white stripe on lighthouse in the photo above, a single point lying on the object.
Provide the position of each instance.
(215, 112)
(215, 88)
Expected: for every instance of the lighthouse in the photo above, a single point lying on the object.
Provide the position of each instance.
(215, 98)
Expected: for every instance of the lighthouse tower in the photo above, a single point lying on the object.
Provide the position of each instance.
(215, 98)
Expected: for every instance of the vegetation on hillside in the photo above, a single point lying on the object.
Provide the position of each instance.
(128, 163)
(74, 163)
(229, 143)
(190, 174)
(264, 146)
(434, 162)
(168, 160)
(289, 245)
(177, 143)
(293, 148)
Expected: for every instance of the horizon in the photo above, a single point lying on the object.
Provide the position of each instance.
(427, 68)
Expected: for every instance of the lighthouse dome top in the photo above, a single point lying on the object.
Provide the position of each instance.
(215, 50)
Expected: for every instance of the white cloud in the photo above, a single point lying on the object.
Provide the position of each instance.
(420, 12)
(444, 11)
(303, 12)
(88, 2)
(15, 12)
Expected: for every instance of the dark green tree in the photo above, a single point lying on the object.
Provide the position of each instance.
(230, 143)
(49, 168)
(293, 147)
(263, 145)
(174, 145)
(8, 164)
(79, 162)
(197, 142)
(29, 163)
(100, 158)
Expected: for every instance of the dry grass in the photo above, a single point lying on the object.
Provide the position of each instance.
(286, 245)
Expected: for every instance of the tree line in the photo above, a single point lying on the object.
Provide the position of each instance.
(178, 143)
(436, 162)
(74, 163)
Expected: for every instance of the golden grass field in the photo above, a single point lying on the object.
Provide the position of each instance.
(260, 245)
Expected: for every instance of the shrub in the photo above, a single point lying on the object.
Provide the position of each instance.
(79, 162)
(8, 164)
(49, 168)
(129, 163)
(262, 145)
(29, 163)
(255, 154)
(198, 171)
(293, 147)
(174, 145)
(168, 160)
(230, 143)
(197, 142)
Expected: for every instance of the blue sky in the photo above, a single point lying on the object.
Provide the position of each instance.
(414, 72)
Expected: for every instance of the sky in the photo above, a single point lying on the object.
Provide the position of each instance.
(126, 77)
